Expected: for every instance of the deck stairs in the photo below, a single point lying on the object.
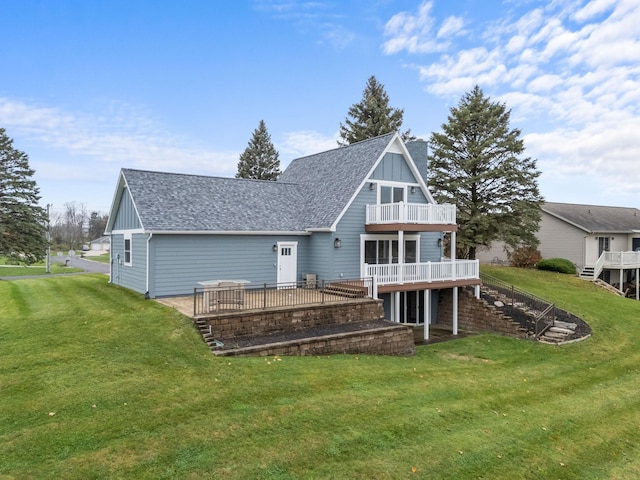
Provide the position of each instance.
(346, 290)
(588, 273)
(558, 333)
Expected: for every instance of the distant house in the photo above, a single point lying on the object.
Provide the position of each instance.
(601, 241)
(360, 211)
(101, 244)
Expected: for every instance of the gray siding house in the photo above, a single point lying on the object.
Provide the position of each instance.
(360, 211)
(601, 241)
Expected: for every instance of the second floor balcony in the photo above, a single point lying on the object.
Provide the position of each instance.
(425, 275)
(412, 217)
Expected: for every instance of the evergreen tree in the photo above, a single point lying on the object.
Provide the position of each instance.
(372, 116)
(97, 224)
(22, 221)
(260, 159)
(476, 163)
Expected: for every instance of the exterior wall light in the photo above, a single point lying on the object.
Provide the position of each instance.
(337, 243)
(413, 189)
(439, 243)
(275, 247)
(372, 185)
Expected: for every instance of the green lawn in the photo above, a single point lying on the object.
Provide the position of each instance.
(22, 270)
(96, 382)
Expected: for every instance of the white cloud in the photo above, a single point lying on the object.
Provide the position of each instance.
(126, 139)
(570, 72)
(415, 32)
(452, 26)
(303, 143)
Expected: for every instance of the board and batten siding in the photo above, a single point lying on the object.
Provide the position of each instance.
(181, 261)
(394, 168)
(126, 216)
(130, 276)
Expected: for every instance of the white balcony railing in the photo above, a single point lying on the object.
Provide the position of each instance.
(621, 259)
(418, 213)
(399, 273)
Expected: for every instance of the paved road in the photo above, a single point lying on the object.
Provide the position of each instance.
(87, 265)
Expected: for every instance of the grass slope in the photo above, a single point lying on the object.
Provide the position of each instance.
(96, 382)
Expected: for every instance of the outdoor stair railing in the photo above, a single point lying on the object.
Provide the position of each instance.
(545, 315)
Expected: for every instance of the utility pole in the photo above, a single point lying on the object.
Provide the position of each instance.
(48, 269)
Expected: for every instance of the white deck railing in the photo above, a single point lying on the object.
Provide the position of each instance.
(621, 259)
(399, 273)
(418, 213)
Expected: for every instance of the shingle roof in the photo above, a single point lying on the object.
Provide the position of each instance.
(596, 218)
(329, 179)
(178, 202)
(311, 193)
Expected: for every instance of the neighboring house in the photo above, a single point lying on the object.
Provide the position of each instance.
(101, 244)
(601, 241)
(358, 211)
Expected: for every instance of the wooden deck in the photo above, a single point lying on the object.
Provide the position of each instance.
(256, 300)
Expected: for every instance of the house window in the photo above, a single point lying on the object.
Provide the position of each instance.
(410, 249)
(127, 249)
(377, 252)
(391, 194)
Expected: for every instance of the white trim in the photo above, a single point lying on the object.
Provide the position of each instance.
(386, 236)
(127, 236)
(294, 258)
(392, 147)
(117, 197)
(212, 232)
(132, 230)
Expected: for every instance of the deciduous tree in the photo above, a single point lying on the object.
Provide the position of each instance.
(260, 160)
(478, 163)
(22, 220)
(372, 116)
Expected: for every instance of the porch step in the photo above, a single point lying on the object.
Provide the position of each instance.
(587, 273)
(559, 333)
(346, 290)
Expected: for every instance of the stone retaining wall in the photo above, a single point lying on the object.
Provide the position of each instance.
(394, 340)
(476, 315)
(287, 319)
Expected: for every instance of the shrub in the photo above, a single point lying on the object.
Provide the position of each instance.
(525, 257)
(561, 265)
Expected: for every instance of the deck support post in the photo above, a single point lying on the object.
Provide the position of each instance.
(621, 280)
(396, 312)
(455, 310)
(427, 313)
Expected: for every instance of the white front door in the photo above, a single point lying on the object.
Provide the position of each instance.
(287, 262)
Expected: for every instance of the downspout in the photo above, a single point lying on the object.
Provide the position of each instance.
(146, 295)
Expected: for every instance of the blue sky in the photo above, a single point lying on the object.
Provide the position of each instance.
(89, 87)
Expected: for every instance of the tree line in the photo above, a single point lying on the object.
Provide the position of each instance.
(74, 226)
(476, 162)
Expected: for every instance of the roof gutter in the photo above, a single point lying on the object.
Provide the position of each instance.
(223, 232)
